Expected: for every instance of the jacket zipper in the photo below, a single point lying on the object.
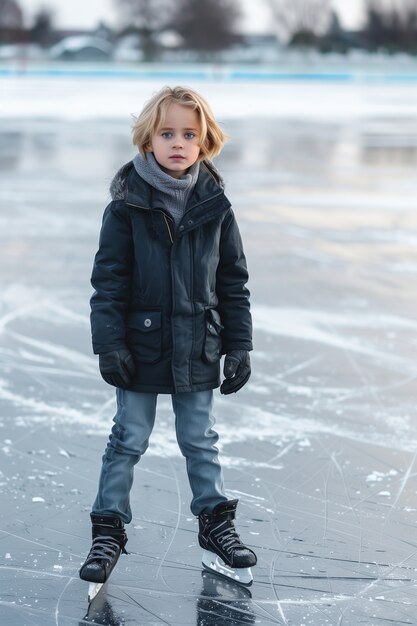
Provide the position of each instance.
(172, 324)
(168, 226)
(203, 201)
(166, 217)
(192, 254)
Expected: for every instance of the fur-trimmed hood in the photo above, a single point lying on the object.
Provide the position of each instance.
(118, 185)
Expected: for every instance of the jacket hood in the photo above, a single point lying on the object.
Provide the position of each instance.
(119, 184)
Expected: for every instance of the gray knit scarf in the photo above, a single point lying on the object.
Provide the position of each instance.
(173, 192)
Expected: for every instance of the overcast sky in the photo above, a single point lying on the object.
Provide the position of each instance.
(86, 13)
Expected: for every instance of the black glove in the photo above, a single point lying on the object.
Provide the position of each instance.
(117, 367)
(236, 370)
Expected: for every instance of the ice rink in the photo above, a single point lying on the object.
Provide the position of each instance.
(320, 446)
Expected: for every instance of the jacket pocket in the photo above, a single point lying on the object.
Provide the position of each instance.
(212, 348)
(144, 335)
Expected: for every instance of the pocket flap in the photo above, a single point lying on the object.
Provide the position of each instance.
(144, 320)
(214, 317)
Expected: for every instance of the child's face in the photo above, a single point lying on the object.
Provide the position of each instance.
(176, 143)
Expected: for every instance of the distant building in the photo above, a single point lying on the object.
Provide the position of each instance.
(127, 49)
(250, 49)
(263, 47)
(82, 48)
(342, 41)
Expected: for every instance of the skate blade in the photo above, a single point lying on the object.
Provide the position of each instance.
(214, 563)
(93, 590)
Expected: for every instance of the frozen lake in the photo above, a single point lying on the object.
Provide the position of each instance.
(320, 446)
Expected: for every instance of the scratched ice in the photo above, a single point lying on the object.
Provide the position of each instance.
(321, 445)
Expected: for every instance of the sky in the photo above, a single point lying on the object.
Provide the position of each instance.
(86, 14)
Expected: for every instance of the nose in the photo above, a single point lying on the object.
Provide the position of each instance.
(177, 143)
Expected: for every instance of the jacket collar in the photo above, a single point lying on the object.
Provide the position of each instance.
(128, 185)
(206, 201)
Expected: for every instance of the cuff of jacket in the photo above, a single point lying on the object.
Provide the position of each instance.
(238, 345)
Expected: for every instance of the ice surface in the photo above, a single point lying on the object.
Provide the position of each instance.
(320, 446)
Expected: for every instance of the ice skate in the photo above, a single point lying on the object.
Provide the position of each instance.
(109, 540)
(224, 552)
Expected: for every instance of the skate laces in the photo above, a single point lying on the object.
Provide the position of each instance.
(105, 547)
(227, 536)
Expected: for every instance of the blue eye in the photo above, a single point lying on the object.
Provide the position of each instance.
(189, 135)
(166, 135)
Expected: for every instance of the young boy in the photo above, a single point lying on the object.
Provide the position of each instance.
(170, 298)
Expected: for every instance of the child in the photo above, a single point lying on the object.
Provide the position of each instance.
(170, 299)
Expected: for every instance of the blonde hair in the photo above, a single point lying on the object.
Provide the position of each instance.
(153, 114)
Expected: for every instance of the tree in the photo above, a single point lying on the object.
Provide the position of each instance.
(41, 31)
(301, 21)
(11, 21)
(147, 18)
(207, 25)
(391, 25)
(337, 39)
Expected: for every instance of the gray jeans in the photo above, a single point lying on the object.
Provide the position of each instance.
(129, 439)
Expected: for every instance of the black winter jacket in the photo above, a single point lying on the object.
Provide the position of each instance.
(175, 297)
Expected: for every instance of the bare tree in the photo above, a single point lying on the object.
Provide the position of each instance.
(11, 21)
(391, 24)
(147, 18)
(11, 15)
(207, 25)
(301, 22)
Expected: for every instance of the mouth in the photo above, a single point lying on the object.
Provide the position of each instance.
(177, 157)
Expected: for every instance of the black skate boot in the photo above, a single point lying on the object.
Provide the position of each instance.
(224, 552)
(109, 540)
